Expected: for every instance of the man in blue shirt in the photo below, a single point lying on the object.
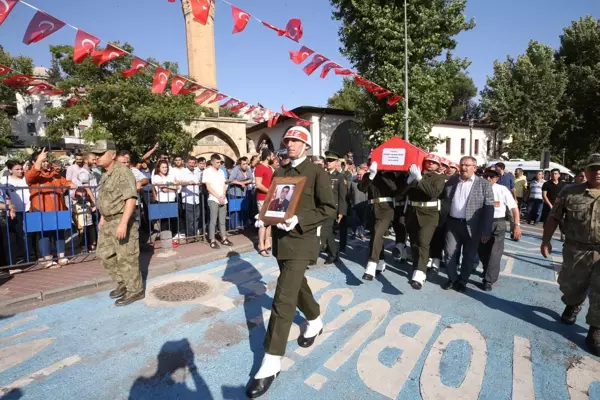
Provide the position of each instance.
(507, 180)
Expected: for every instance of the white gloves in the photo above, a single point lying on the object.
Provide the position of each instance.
(289, 224)
(415, 174)
(259, 223)
(372, 170)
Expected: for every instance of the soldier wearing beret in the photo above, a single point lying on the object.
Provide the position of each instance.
(577, 207)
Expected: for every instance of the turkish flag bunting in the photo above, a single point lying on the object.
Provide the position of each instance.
(343, 72)
(305, 122)
(177, 84)
(161, 77)
(193, 88)
(259, 117)
(72, 101)
(136, 65)
(111, 52)
(55, 92)
(250, 109)
(314, 64)
(273, 120)
(394, 99)
(367, 84)
(18, 81)
(202, 97)
(84, 45)
(383, 94)
(239, 106)
(230, 102)
(4, 70)
(288, 113)
(293, 30)
(41, 26)
(240, 19)
(201, 10)
(328, 68)
(298, 57)
(280, 32)
(218, 97)
(40, 88)
(376, 89)
(6, 7)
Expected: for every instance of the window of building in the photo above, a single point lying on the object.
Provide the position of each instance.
(476, 152)
(29, 109)
(31, 128)
(462, 147)
(448, 146)
(489, 147)
(48, 104)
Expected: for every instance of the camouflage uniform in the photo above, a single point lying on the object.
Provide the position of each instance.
(578, 209)
(120, 258)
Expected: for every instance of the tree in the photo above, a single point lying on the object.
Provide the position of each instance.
(19, 64)
(349, 97)
(5, 131)
(579, 55)
(372, 36)
(462, 106)
(227, 113)
(522, 97)
(123, 109)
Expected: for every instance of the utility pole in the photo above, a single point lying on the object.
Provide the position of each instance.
(405, 74)
(471, 136)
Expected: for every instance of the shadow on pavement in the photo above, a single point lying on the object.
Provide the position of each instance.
(13, 395)
(175, 364)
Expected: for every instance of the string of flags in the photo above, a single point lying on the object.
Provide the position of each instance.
(43, 25)
(293, 31)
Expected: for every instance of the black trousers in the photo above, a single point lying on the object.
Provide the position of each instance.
(420, 231)
(331, 246)
(490, 253)
(343, 229)
(399, 223)
(437, 242)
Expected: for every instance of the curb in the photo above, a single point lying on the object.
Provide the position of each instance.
(84, 288)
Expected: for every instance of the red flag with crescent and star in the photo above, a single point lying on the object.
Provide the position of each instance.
(343, 72)
(4, 70)
(136, 65)
(240, 19)
(273, 120)
(382, 94)
(231, 102)
(394, 99)
(293, 29)
(205, 95)
(280, 32)
(201, 10)
(111, 52)
(298, 57)
(259, 117)
(328, 67)
(7, 6)
(250, 109)
(18, 81)
(239, 106)
(288, 113)
(72, 101)
(177, 84)
(314, 64)
(41, 87)
(41, 26)
(218, 97)
(84, 45)
(194, 87)
(161, 77)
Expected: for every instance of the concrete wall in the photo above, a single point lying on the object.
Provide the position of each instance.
(226, 136)
(456, 134)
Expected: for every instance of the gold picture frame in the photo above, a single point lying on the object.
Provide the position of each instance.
(282, 199)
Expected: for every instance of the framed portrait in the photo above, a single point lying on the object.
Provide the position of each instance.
(282, 199)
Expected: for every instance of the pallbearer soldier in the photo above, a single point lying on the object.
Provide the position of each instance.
(339, 186)
(118, 237)
(578, 208)
(381, 188)
(295, 245)
(423, 213)
(399, 222)
(439, 236)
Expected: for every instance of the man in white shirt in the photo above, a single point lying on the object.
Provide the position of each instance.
(490, 253)
(190, 198)
(73, 170)
(216, 185)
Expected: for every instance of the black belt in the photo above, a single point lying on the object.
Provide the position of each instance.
(457, 219)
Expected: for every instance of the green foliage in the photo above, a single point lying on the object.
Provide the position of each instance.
(349, 97)
(372, 36)
(463, 107)
(227, 113)
(21, 64)
(523, 96)
(5, 131)
(123, 109)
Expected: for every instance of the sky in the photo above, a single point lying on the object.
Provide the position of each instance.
(254, 65)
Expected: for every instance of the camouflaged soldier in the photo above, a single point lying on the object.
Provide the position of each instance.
(118, 237)
(578, 208)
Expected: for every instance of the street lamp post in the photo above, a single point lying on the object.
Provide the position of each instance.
(471, 137)
(405, 74)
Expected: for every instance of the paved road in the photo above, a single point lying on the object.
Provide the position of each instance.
(382, 339)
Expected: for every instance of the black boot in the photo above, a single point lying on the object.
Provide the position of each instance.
(258, 387)
(130, 298)
(331, 260)
(307, 342)
(118, 292)
(569, 316)
(592, 341)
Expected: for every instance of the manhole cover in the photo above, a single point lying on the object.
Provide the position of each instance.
(181, 291)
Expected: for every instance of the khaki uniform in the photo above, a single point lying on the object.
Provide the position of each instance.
(339, 186)
(423, 215)
(343, 225)
(439, 237)
(294, 250)
(120, 258)
(399, 222)
(578, 209)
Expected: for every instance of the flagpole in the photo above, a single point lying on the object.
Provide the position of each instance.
(405, 75)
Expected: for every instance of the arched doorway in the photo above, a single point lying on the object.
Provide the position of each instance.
(212, 140)
(348, 137)
(264, 140)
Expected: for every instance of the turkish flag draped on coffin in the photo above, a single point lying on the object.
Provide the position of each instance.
(41, 26)
(136, 65)
(397, 155)
(161, 77)
(5, 8)
(240, 19)
(84, 46)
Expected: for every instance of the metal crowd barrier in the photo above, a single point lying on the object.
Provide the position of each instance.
(30, 235)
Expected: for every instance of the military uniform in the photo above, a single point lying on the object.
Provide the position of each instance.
(399, 222)
(339, 187)
(422, 220)
(438, 241)
(343, 225)
(578, 209)
(120, 258)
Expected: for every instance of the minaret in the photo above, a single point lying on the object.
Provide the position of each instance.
(200, 39)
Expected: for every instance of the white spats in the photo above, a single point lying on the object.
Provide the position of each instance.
(419, 276)
(270, 366)
(381, 266)
(435, 263)
(371, 267)
(429, 265)
(313, 328)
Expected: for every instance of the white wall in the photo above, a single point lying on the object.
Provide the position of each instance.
(458, 133)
